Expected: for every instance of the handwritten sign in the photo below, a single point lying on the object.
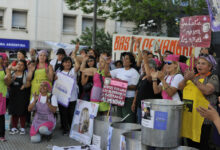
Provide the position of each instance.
(214, 13)
(114, 91)
(195, 31)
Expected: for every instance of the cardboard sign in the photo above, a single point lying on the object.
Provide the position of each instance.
(214, 13)
(114, 91)
(122, 43)
(83, 119)
(195, 31)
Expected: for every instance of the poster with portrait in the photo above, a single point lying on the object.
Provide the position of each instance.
(62, 91)
(83, 119)
(195, 31)
(114, 91)
(214, 13)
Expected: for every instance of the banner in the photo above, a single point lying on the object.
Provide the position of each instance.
(214, 13)
(62, 91)
(14, 44)
(114, 91)
(83, 119)
(122, 43)
(195, 31)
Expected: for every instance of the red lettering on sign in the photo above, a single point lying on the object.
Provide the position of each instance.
(173, 46)
(127, 41)
(117, 42)
(185, 51)
(161, 44)
(122, 40)
(145, 43)
(150, 43)
(166, 45)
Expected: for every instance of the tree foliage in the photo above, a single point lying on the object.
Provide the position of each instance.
(103, 40)
(141, 11)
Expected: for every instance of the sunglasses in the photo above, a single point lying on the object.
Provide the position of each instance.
(168, 62)
(205, 55)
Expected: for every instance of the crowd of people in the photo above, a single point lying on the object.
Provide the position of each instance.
(25, 85)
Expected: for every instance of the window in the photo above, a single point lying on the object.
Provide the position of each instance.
(69, 24)
(88, 23)
(1, 18)
(19, 19)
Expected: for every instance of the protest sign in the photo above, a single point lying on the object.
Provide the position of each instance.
(195, 31)
(114, 91)
(62, 91)
(83, 119)
(214, 13)
(122, 43)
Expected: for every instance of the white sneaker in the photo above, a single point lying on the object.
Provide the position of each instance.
(22, 131)
(13, 131)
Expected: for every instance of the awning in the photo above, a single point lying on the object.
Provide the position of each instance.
(14, 44)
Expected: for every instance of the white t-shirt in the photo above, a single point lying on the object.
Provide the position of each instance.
(131, 75)
(53, 62)
(75, 91)
(43, 100)
(174, 82)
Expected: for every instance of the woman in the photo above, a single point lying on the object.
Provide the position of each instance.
(129, 74)
(169, 84)
(44, 106)
(3, 92)
(208, 84)
(18, 97)
(66, 113)
(21, 55)
(98, 83)
(40, 72)
(87, 81)
(56, 62)
(145, 84)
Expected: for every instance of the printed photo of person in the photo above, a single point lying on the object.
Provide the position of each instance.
(84, 121)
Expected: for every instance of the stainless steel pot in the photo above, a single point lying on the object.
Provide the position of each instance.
(161, 122)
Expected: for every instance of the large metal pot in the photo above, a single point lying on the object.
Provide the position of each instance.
(161, 122)
(116, 131)
(133, 141)
(101, 128)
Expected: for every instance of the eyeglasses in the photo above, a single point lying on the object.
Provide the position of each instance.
(168, 62)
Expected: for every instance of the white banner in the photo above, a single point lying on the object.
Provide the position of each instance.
(63, 91)
(122, 43)
(83, 119)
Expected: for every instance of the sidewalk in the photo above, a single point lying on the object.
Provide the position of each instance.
(22, 142)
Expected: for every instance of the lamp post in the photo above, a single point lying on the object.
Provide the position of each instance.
(94, 25)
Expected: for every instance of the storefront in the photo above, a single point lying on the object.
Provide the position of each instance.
(11, 46)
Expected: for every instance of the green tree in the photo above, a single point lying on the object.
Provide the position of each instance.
(163, 12)
(103, 40)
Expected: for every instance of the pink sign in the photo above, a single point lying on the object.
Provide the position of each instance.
(195, 31)
(114, 91)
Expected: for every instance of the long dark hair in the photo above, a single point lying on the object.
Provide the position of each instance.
(65, 59)
(93, 58)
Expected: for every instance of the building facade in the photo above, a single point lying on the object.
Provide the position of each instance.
(49, 20)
